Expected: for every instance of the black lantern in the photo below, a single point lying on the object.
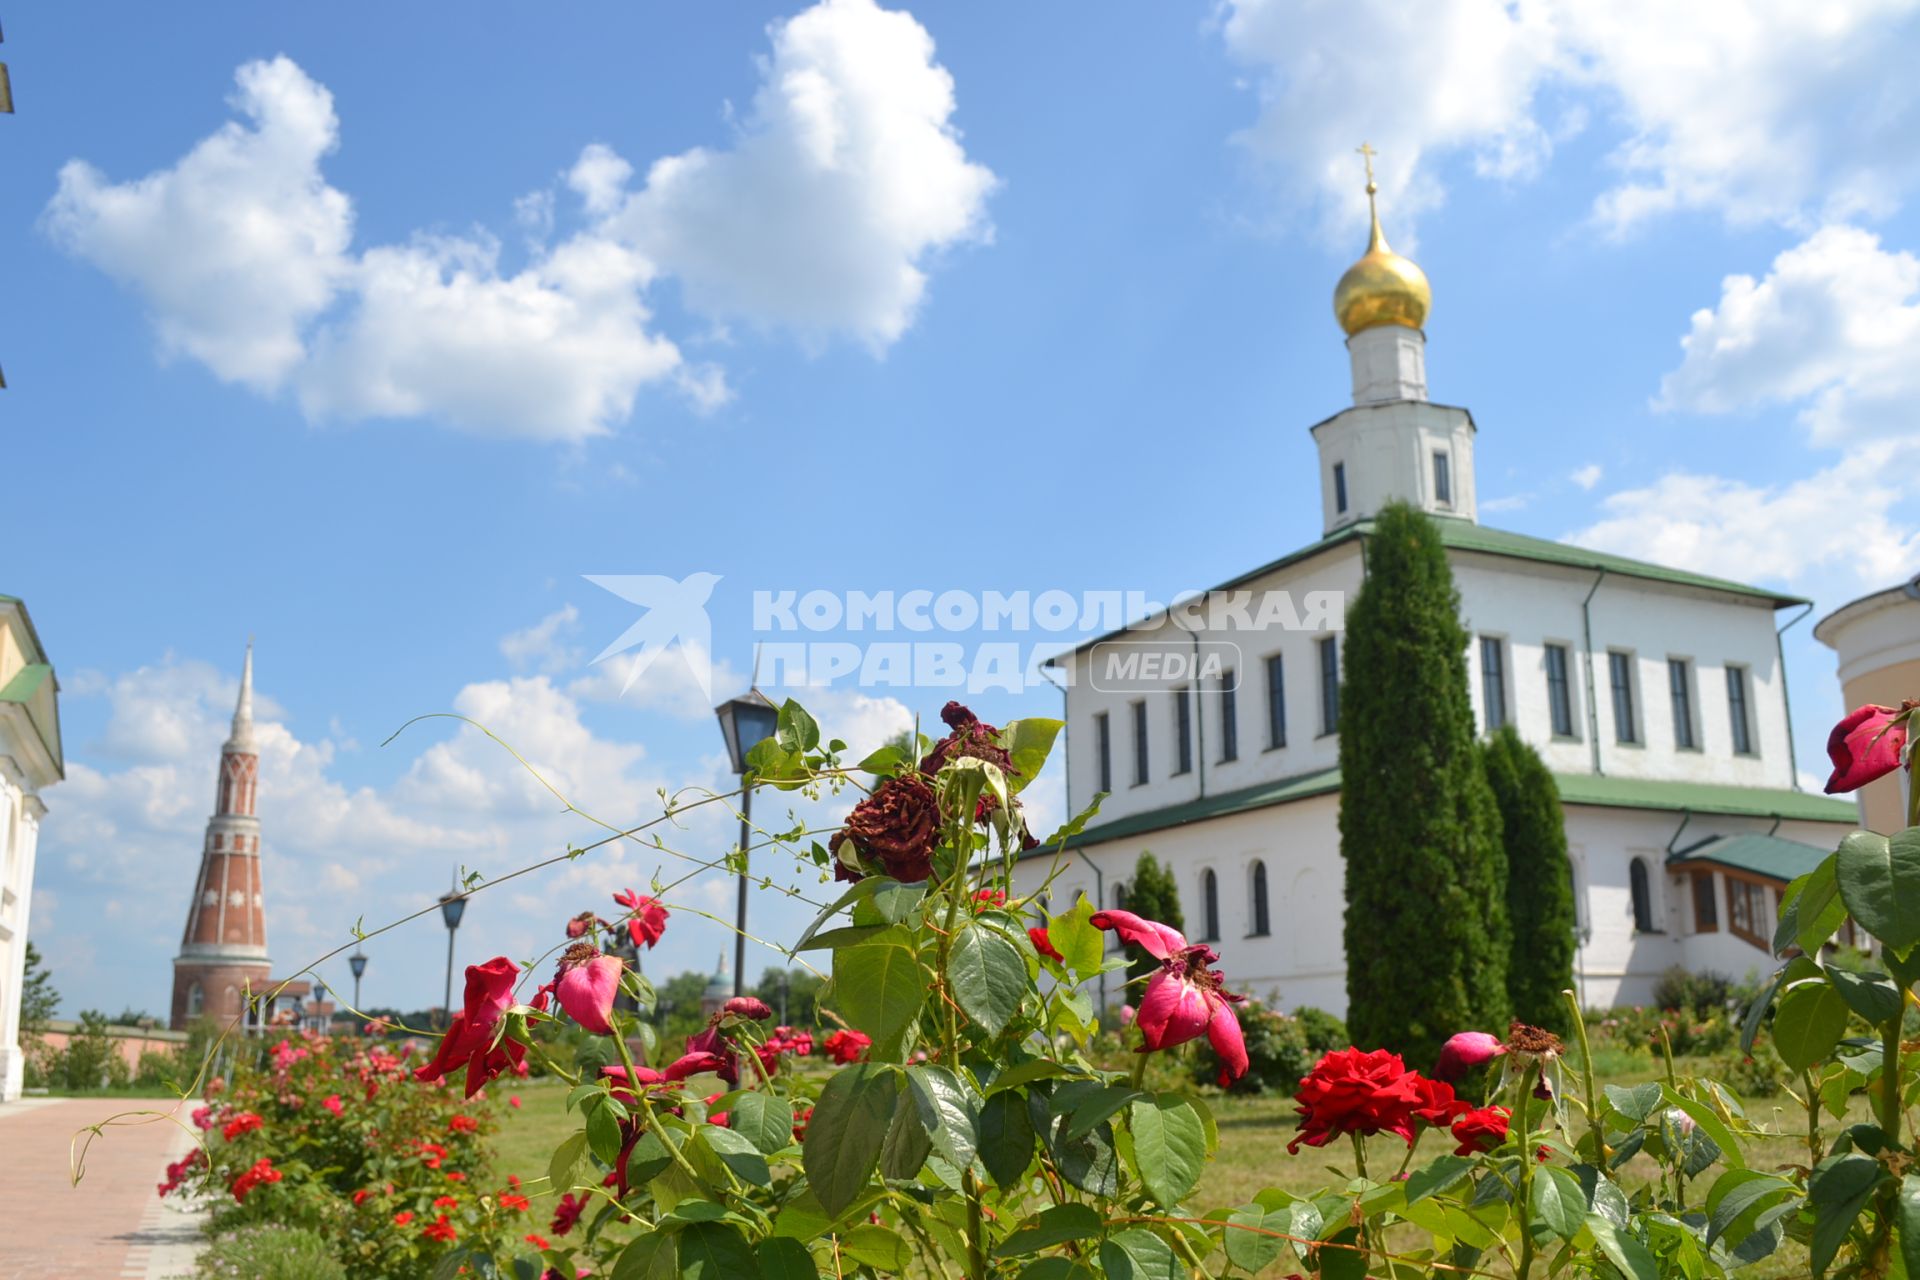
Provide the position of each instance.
(358, 963)
(453, 905)
(745, 722)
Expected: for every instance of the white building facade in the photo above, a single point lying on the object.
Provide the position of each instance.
(1657, 697)
(31, 759)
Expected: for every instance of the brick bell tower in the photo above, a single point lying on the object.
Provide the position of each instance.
(223, 953)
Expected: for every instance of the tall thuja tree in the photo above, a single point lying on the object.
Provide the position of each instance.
(1151, 895)
(1426, 926)
(1539, 880)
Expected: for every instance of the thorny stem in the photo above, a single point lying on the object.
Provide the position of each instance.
(1524, 1208)
(1813, 1117)
(646, 1108)
(1595, 1136)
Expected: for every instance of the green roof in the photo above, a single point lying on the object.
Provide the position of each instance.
(1768, 856)
(1575, 788)
(1464, 535)
(1613, 792)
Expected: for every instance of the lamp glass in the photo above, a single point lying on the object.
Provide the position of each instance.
(452, 907)
(358, 963)
(744, 722)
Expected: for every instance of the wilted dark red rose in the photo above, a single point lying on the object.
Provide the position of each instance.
(1481, 1129)
(748, 1007)
(896, 825)
(1865, 746)
(971, 736)
(1353, 1092)
(1044, 945)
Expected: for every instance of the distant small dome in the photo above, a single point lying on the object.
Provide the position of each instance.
(1382, 287)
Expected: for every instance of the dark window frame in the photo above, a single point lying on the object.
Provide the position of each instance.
(1340, 488)
(1229, 717)
(1626, 721)
(1740, 710)
(1183, 730)
(1680, 698)
(1103, 740)
(1493, 682)
(1640, 889)
(1276, 701)
(1442, 478)
(1141, 773)
(1209, 905)
(1260, 919)
(1706, 904)
(1329, 685)
(1560, 691)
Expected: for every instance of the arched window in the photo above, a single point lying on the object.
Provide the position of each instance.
(1209, 905)
(1642, 896)
(1259, 896)
(195, 999)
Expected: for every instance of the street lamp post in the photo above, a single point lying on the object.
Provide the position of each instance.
(453, 905)
(358, 963)
(744, 722)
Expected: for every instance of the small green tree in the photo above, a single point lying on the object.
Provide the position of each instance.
(1539, 880)
(1426, 923)
(1152, 895)
(38, 999)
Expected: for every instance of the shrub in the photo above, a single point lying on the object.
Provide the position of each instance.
(1278, 1054)
(1323, 1031)
(1685, 991)
(269, 1252)
(1750, 1075)
(1539, 880)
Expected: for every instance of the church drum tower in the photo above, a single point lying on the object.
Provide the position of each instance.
(223, 952)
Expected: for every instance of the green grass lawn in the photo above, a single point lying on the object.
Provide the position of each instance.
(1253, 1156)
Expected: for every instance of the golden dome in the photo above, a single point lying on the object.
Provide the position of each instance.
(1382, 287)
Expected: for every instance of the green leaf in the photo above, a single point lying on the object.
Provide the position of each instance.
(1710, 1125)
(1087, 1104)
(781, 1258)
(1839, 1189)
(1740, 1194)
(1872, 995)
(714, 1250)
(946, 1111)
(1248, 1246)
(843, 1138)
(988, 976)
(885, 762)
(566, 1159)
(846, 935)
(880, 988)
(1635, 1102)
(878, 1247)
(891, 902)
(1077, 824)
(907, 1144)
(1088, 1162)
(1058, 1225)
(764, 1119)
(1028, 743)
(739, 1154)
(1082, 947)
(1558, 1204)
(1625, 1252)
(1006, 1138)
(648, 1159)
(603, 1133)
(1809, 1023)
(1169, 1146)
(797, 730)
(1057, 1268)
(1026, 1073)
(1818, 911)
(1438, 1176)
(1138, 1254)
(859, 892)
(1880, 883)
(1907, 1220)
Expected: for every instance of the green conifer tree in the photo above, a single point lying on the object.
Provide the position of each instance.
(1539, 881)
(1426, 923)
(1153, 895)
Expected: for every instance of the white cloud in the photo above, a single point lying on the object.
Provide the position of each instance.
(846, 176)
(1774, 110)
(822, 218)
(540, 647)
(1588, 476)
(1835, 323)
(239, 245)
(1839, 529)
(1508, 502)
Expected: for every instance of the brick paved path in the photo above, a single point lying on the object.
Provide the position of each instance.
(110, 1226)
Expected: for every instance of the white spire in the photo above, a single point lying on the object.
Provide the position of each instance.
(242, 737)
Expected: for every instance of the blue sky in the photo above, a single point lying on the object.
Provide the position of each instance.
(370, 339)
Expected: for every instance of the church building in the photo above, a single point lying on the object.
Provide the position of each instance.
(1657, 697)
(223, 951)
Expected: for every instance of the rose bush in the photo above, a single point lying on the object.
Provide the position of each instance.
(968, 1127)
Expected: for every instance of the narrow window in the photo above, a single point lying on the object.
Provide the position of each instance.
(1140, 744)
(1559, 691)
(1103, 740)
(1340, 488)
(1620, 667)
(1706, 914)
(1747, 914)
(1442, 480)
(1737, 711)
(196, 1000)
(1209, 906)
(1183, 729)
(1680, 688)
(1259, 887)
(1642, 896)
(1493, 681)
(1276, 702)
(1329, 686)
(1229, 718)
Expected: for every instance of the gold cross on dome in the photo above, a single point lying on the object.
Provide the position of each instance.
(1366, 150)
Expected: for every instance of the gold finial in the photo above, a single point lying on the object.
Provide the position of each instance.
(1382, 287)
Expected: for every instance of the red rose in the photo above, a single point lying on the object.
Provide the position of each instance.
(1481, 1129)
(847, 1046)
(1866, 745)
(897, 825)
(1437, 1106)
(1044, 945)
(1353, 1092)
(971, 736)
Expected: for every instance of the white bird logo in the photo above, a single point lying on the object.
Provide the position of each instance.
(675, 611)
